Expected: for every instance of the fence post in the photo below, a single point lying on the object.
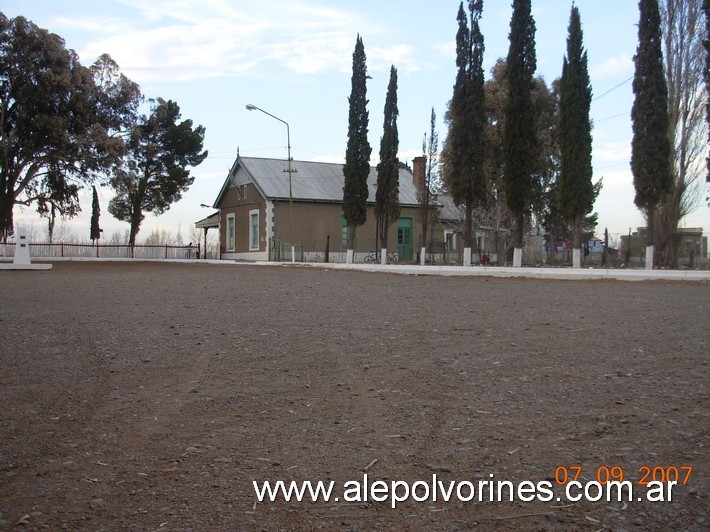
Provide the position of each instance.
(166, 251)
(62, 249)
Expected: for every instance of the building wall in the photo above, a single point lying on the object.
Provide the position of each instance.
(240, 204)
(314, 222)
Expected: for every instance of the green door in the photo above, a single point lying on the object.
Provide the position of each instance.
(404, 239)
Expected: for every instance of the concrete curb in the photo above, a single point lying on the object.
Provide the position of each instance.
(579, 274)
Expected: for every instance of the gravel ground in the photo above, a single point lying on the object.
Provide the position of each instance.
(148, 396)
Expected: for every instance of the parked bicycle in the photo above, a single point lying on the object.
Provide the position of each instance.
(374, 258)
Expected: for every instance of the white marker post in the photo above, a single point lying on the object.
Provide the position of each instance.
(22, 249)
(22, 260)
(467, 256)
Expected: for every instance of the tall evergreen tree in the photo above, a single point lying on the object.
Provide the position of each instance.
(706, 44)
(576, 192)
(387, 196)
(430, 149)
(520, 135)
(358, 151)
(650, 146)
(95, 213)
(464, 172)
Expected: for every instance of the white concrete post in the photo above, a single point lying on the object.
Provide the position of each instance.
(22, 248)
(422, 257)
(467, 256)
(649, 257)
(517, 257)
(349, 257)
(383, 256)
(576, 258)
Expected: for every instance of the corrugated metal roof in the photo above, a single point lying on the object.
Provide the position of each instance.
(210, 221)
(311, 181)
(449, 211)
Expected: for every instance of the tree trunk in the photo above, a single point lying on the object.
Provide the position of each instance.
(351, 236)
(135, 227)
(551, 254)
(577, 241)
(467, 225)
(650, 220)
(650, 258)
(519, 228)
(425, 221)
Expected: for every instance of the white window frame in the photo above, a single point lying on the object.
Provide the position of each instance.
(451, 232)
(252, 247)
(231, 238)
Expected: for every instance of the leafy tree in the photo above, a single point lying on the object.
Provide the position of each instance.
(495, 213)
(576, 192)
(95, 232)
(358, 151)
(682, 29)
(650, 146)
(53, 132)
(154, 173)
(387, 195)
(520, 145)
(464, 159)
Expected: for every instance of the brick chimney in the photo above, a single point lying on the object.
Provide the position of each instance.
(419, 164)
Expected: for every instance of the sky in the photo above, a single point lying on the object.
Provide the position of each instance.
(293, 59)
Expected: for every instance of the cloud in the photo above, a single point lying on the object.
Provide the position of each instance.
(182, 40)
(614, 66)
(612, 151)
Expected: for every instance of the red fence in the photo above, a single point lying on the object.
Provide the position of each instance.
(105, 251)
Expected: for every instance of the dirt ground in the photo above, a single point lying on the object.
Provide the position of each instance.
(150, 396)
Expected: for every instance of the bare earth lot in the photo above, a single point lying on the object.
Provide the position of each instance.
(149, 396)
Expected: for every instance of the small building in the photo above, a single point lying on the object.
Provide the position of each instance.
(690, 241)
(258, 213)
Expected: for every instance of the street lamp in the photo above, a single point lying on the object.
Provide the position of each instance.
(251, 107)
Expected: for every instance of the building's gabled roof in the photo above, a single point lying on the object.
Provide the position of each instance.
(310, 181)
(449, 212)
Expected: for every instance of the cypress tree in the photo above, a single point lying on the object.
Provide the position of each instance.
(520, 135)
(95, 212)
(465, 153)
(358, 151)
(387, 196)
(576, 192)
(650, 146)
(706, 44)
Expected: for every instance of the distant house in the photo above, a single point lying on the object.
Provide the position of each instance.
(691, 244)
(256, 217)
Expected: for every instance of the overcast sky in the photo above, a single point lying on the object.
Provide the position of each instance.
(294, 60)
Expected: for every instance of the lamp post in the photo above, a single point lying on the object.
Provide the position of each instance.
(251, 107)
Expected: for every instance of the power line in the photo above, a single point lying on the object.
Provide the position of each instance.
(611, 166)
(610, 117)
(613, 88)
